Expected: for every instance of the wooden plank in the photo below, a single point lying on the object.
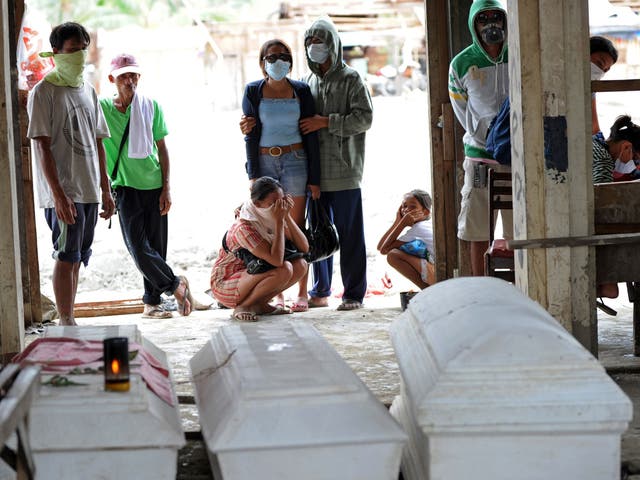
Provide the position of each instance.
(560, 242)
(31, 268)
(16, 404)
(627, 85)
(617, 202)
(615, 263)
(106, 308)
(446, 255)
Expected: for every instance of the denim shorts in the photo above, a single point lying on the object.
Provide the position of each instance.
(72, 243)
(290, 169)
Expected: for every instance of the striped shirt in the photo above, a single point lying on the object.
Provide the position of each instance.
(603, 163)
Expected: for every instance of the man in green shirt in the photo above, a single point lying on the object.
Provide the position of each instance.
(138, 164)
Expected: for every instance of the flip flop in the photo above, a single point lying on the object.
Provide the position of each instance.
(300, 305)
(349, 305)
(245, 316)
(156, 311)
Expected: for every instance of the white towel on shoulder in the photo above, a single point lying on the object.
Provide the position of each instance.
(140, 127)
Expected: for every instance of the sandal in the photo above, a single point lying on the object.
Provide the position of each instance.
(349, 305)
(245, 316)
(300, 305)
(155, 311)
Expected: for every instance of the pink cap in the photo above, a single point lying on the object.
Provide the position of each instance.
(124, 63)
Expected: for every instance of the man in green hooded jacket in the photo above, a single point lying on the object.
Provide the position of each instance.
(478, 85)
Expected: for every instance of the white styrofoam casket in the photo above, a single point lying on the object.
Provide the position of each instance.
(276, 401)
(83, 431)
(494, 388)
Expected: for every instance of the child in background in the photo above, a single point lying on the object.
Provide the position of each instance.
(411, 254)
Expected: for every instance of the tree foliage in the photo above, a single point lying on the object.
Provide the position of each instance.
(111, 14)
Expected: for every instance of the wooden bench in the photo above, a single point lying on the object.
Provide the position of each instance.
(616, 239)
(617, 212)
(18, 390)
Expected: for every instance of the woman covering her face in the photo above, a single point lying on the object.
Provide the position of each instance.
(263, 224)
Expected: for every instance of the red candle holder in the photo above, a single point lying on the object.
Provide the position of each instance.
(116, 364)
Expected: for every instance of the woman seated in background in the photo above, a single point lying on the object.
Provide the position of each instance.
(262, 226)
(620, 148)
(623, 142)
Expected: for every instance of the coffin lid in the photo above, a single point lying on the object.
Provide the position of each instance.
(475, 351)
(274, 385)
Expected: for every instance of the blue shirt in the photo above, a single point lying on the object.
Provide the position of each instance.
(279, 117)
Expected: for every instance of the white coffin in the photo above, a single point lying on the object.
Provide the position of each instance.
(84, 432)
(494, 388)
(277, 402)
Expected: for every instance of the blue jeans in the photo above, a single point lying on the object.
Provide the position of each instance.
(144, 232)
(345, 209)
(290, 169)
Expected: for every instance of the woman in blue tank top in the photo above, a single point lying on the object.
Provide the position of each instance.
(276, 147)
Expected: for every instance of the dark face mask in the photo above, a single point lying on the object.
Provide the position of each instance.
(491, 28)
(492, 34)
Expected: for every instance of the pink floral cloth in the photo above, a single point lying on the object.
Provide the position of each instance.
(61, 355)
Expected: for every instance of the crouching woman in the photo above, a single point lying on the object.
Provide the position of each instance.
(263, 225)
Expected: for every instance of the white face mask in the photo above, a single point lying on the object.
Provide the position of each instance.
(596, 72)
(318, 52)
(277, 70)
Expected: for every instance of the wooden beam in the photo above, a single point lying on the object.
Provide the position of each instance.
(605, 239)
(106, 308)
(439, 135)
(615, 85)
(11, 303)
(551, 152)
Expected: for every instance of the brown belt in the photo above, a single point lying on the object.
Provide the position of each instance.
(277, 151)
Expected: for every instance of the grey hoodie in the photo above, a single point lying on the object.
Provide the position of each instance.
(342, 96)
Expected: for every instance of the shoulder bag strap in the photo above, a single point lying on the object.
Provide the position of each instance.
(125, 135)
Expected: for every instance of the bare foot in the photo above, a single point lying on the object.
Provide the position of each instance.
(279, 300)
(67, 322)
(315, 302)
(182, 297)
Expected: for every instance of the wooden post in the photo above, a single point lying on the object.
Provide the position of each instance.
(551, 157)
(11, 307)
(26, 210)
(441, 138)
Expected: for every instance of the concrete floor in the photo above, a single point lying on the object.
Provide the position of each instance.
(361, 338)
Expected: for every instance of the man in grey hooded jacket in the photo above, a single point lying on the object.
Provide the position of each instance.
(344, 114)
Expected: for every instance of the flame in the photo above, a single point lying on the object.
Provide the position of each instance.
(115, 366)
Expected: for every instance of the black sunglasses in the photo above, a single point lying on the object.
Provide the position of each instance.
(277, 56)
(484, 19)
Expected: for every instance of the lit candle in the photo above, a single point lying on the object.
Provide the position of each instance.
(116, 364)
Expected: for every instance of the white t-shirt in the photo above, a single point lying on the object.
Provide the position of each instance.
(420, 230)
(73, 119)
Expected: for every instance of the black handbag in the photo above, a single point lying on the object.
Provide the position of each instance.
(258, 265)
(321, 233)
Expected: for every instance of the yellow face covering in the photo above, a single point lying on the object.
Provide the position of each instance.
(68, 70)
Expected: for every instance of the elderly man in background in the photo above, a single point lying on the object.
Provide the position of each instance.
(138, 164)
